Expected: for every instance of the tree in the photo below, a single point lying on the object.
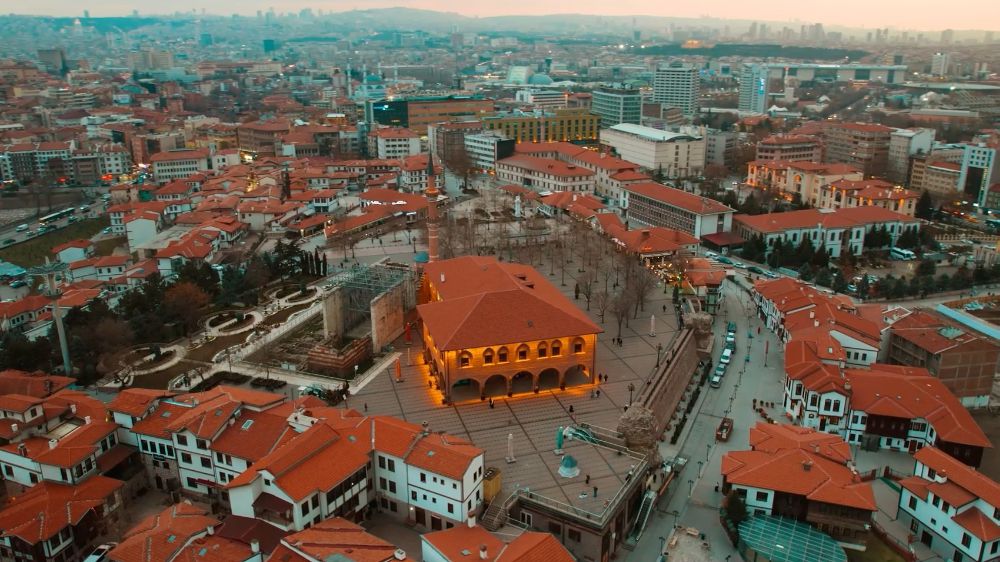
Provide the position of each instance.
(927, 267)
(18, 352)
(736, 509)
(823, 277)
(621, 305)
(602, 300)
(676, 298)
(232, 286)
(908, 239)
(863, 287)
(925, 206)
(184, 302)
(459, 163)
(201, 274)
(257, 275)
(639, 283)
(585, 283)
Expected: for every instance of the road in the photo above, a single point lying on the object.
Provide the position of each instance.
(693, 497)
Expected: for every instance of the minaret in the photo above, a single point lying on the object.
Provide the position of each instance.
(432, 212)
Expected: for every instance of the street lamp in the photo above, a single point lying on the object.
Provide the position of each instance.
(700, 464)
(708, 451)
(631, 389)
(690, 487)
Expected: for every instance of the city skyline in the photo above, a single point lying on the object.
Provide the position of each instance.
(963, 15)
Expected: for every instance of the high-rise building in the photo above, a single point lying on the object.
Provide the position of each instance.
(54, 60)
(753, 88)
(904, 144)
(616, 105)
(940, 63)
(676, 85)
(947, 36)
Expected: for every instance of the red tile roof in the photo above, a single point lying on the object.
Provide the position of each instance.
(936, 334)
(549, 166)
(653, 240)
(175, 155)
(47, 508)
(773, 438)
(529, 546)
(164, 535)
(338, 539)
(486, 302)
(828, 218)
(970, 479)
(135, 401)
(678, 198)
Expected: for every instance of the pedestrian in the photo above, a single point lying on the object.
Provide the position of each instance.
(598, 393)
(366, 406)
(571, 408)
(592, 394)
(588, 480)
(664, 308)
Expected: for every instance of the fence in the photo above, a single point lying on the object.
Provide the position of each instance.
(291, 324)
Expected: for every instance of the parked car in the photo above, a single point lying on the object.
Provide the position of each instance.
(100, 553)
(18, 283)
(755, 269)
(727, 355)
(739, 265)
(716, 381)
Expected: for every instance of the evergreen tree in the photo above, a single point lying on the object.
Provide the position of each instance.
(925, 206)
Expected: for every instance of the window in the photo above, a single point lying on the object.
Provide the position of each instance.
(578, 345)
(502, 355)
(392, 487)
(33, 477)
(488, 357)
(201, 444)
(451, 508)
(185, 458)
(413, 495)
(573, 535)
(957, 557)
(182, 440)
(423, 477)
(206, 462)
(315, 501)
(382, 483)
(305, 508)
(522, 353)
(465, 359)
(192, 483)
(392, 465)
(912, 503)
(381, 461)
(543, 350)
(525, 518)
(966, 540)
(762, 496)
(555, 528)
(556, 348)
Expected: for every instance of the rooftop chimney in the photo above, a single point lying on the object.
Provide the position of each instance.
(254, 546)
(210, 530)
(13, 428)
(442, 277)
(807, 466)
(53, 443)
(471, 521)
(86, 420)
(482, 552)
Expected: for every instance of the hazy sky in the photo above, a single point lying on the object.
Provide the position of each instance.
(915, 14)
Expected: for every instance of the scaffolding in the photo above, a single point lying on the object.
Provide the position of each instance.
(362, 283)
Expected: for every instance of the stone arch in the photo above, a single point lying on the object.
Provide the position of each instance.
(548, 379)
(494, 386)
(489, 356)
(579, 345)
(523, 352)
(556, 347)
(465, 389)
(522, 382)
(577, 375)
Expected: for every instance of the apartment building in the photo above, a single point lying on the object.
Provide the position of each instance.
(561, 125)
(754, 88)
(672, 154)
(951, 508)
(654, 204)
(543, 99)
(676, 85)
(839, 231)
(393, 143)
(904, 144)
(964, 360)
(790, 148)
(615, 105)
(862, 145)
(485, 149)
(260, 138)
(178, 164)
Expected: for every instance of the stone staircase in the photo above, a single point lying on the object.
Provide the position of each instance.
(496, 514)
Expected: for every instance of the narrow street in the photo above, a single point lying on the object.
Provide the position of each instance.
(692, 500)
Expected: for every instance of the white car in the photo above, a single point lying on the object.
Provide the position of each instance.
(100, 553)
(727, 355)
(716, 381)
(739, 265)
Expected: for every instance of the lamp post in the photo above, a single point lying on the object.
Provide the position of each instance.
(631, 389)
(690, 487)
(48, 271)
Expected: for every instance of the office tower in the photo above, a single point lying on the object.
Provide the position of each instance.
(939, 64)
(947, 36)
(616, 105)
(753, 88)
(676, 85)
(54, 60)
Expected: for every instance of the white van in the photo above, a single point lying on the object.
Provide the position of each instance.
(22, 227)
(727, 355)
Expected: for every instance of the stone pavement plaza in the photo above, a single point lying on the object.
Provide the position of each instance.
(534, 418)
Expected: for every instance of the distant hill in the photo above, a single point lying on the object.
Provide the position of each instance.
(756, 50)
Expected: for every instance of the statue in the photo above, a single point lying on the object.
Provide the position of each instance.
(517, 206)
(569, 468)
(559, 440)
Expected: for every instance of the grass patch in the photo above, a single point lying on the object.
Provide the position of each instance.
(34, 251)
(877, 551)
(106, 247)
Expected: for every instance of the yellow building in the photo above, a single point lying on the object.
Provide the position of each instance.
(561, 125)
(499, 329)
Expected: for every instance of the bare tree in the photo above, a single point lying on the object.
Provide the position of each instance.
(602, 300)
(460, 164)
(586, 282)
(621, 305)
